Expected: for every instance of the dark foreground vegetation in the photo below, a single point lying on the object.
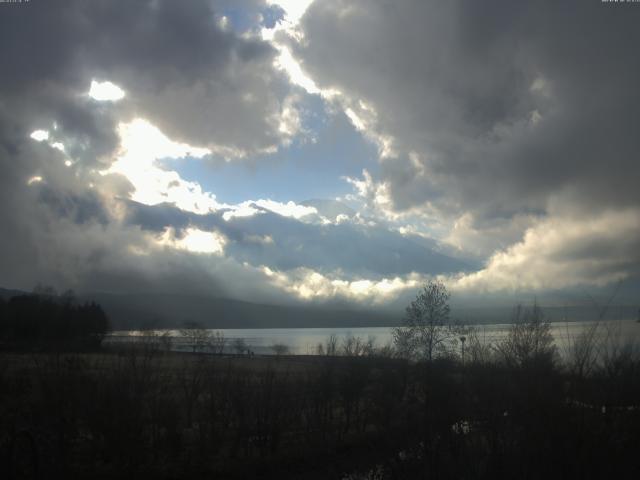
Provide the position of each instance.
(145, 413)
(47, 321)
(439, 403)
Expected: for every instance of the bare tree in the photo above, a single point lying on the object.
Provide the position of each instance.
(217, 342)
(198, 337)
(280, 349)
(582, 351)
(369, 347)
(617, 353)
(529, 339)
(427, 328)
(330, 348)
(240, 346)
(352, 346)
(478, 349)
(166, 341)
(151, 342)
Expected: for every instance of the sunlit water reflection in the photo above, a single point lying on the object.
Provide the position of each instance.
(304, 341)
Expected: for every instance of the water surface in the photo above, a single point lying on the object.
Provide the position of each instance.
(304, 341)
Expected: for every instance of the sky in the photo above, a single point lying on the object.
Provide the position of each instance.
(321, 152)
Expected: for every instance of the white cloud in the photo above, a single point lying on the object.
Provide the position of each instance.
(308, 284)
(105, 92)
(40, 135)
(362, 115)
(288, 28)
(34, 179)
(259, 239)
(45, 136)
(482, 241)
(289, 123)
(254, 207)
(142, 144)
(561, 252)
(297, 76)
(194, 240)
(289, 209)
(364, 118)
(374, 194)
(294, 9)
(244, 209)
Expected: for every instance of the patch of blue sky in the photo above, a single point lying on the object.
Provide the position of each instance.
(313, 166)
(272, 15)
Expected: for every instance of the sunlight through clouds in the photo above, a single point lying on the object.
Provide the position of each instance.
(350, 149)
(255, 207)
(142, 144)
(294, 9)
(194, 241)
(288, 64)
(561, 252)
(105, 92)
(40, 135)
(34, 179)
(308, 284)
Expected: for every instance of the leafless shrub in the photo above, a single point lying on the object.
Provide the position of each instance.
(280, 349)
(240, 346)
(582, 352)
(477, 349)
(529, 340)
(217, 342)
(352, 346)
(329, 348)
(617, 354)
(198, 337)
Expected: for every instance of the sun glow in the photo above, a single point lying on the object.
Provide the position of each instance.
(294, 9)
(142, 144)
(286, 62)
(40, 135)
(34, 179)
(308, 284)
(194, 240)
(105, 92)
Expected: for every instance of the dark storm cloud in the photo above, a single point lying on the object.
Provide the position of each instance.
(28, 220)
(60, 222)
(61, 232)
(198, 82)
(506, 119)
(505, 103)
(497, 111)
(63, 41)
(79, 208)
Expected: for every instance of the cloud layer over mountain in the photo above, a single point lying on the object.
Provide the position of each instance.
(505, 151)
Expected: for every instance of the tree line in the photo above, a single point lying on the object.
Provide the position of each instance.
(45, 319)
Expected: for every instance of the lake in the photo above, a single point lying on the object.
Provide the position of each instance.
(303, 341)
